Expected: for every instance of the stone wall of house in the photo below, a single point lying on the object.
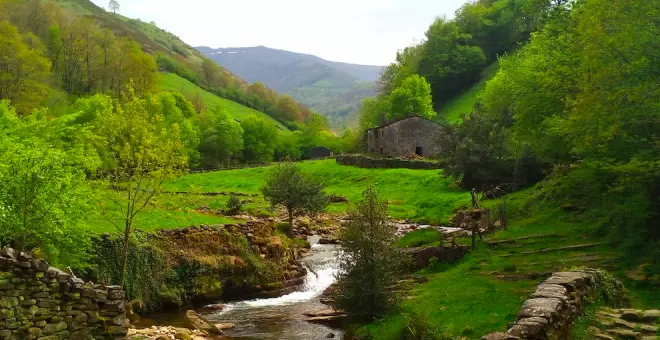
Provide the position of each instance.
(405, 137)
(550, 311)
(40, 302)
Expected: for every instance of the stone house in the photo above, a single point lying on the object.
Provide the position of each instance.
(320, 152)
(410, 135)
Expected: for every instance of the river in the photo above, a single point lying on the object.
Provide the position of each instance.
(281, 318)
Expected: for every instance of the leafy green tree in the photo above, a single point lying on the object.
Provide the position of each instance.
(406, 64)
(287, 110)
(449, 63)
(43, 196)
(477, 151)
(371, 113)
(259, 139)
(412, 97)
(23, 71)
(222, 140)
(289, 146)
(299, 192)
(145, 155)
(370, 260)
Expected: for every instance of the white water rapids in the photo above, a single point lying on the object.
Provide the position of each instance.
(281, 317)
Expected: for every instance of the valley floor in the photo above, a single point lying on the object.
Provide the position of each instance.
(479, 294)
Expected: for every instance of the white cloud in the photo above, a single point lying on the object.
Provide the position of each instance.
(356, 31)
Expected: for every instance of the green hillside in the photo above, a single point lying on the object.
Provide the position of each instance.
(171, 81)
(463, 103)
(175, 56)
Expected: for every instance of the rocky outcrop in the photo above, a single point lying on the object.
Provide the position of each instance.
(472, 219)
(552, 308)
(328, 317)
(262, 240)
(38, 301)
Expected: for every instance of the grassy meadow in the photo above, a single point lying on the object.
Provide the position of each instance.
(419, 195)
(484, 291)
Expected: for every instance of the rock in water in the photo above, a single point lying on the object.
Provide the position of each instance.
(224, 326)
(193, 320)
(213, 307)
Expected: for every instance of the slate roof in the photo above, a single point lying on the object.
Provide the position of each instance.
(388, 123)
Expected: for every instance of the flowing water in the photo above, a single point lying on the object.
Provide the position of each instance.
(281, 318)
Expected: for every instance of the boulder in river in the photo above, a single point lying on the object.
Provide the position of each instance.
(193, 320)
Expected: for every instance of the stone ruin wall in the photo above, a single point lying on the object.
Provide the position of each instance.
(550, 311)
(40, 302)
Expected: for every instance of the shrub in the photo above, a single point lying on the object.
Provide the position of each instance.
(284, 228)
(234, 205)
(418, 327)
(528, 169)
(370, 262)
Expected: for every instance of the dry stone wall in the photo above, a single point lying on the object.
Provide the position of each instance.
(552, 308)
(40, 302)
(362, 161)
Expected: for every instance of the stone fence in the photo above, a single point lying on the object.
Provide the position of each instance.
(550, 311)
(40, 302)
(362, 161)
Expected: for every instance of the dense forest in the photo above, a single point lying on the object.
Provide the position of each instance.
(576, 98)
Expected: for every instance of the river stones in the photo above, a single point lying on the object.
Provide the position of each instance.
(194, 320)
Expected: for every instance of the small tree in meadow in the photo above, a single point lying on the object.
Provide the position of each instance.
(145, 152)
(370, 261)
(297, 191)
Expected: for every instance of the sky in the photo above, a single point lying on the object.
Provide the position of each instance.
(354, 31)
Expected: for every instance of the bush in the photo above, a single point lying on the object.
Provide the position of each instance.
(234, 205)
(370, 262)
(418, 327)
(284, 228)
(528, 170)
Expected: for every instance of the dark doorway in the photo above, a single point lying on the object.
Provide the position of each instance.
(381, 151)
(418, 151)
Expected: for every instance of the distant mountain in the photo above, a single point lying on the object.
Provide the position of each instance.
(332, 88)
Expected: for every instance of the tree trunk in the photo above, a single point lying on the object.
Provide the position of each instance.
(290, 231)
(124, 260)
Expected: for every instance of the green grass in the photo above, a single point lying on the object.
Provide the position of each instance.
(165, 212)
(485, 291)
(422, 237)
(420, 195)
(171, 81)
(463, 103)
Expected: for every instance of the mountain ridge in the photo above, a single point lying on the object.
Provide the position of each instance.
(334, 89)
(363, 72)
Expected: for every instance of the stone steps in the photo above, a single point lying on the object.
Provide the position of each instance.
(624, 324)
